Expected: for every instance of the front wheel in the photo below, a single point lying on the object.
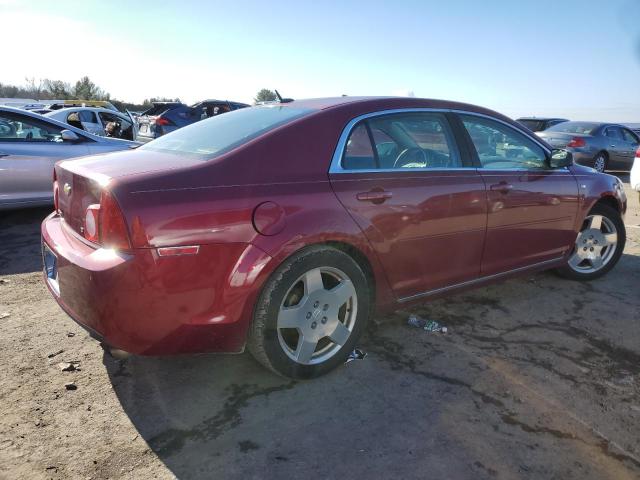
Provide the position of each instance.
(598, 246)
(310, 314)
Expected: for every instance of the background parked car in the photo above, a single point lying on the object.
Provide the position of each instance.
(99, 121)
(536, 124)
(603, 146)
(165, 117)
(30, 144)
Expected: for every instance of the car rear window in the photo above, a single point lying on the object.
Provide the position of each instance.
(221, 133)
(533, 125)
(574, 127)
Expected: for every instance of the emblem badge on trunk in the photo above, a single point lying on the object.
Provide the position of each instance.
(67, 188)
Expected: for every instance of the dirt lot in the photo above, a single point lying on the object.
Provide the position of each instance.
(537, 378)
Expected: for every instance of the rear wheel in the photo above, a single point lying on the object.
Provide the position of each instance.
(598, 246)
(600, 162)
(310, 313)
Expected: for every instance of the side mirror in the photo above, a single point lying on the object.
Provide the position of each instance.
(560, 158)
(69, 136)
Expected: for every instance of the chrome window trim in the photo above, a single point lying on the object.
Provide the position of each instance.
(336, 166)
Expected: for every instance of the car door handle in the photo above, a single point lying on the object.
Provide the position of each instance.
(374, 196)
(2, 154)
(502, 187)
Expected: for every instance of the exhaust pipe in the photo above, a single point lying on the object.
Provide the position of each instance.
(115, 352)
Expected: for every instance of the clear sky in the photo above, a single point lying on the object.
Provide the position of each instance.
(579, 59)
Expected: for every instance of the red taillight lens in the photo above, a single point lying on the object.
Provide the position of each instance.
(163, 121)
(91, 229)
(576, 142)
(104, 224)
(638, 153)
(113, 229)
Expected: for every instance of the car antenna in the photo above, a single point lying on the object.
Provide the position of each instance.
(283, 100)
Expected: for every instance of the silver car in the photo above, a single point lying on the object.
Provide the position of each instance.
(99, 121)
(30, 144)
(603, 146)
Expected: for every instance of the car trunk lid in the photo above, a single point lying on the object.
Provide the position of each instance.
(559, 139)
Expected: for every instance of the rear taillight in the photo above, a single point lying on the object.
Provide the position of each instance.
(163, 121)
(638, 153)
(576, 142)
(91, 223)
(104, 224)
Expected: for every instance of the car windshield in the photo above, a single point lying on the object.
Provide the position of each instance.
(221, 133)
(574, 127)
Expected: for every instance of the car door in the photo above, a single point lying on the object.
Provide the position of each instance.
(531, 207)
(615, 146)
(415, 195)
(29, 148)
(631, 144)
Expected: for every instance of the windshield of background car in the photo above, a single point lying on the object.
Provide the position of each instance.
(533, 125)
(574, 127)
(221, 133)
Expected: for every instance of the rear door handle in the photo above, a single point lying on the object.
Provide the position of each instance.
(502, 187)
(374, 196)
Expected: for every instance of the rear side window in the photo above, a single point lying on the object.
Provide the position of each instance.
(401, 141)
(629, 136)
(613, 132)
(501, 147)
(221, 133)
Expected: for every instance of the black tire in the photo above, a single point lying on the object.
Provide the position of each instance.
(263, 341)
(614, 216)
(605, 162)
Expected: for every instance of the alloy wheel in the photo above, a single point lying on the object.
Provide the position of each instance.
(600, 163)
(595, 245)
(317, 315)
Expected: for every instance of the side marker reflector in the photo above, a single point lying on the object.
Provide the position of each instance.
(175, 251)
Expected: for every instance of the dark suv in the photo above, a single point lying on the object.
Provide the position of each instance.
(165, 117)
(539, 124)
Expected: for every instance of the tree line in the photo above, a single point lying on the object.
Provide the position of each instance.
(83, 89)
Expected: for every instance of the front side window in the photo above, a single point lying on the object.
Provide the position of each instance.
(501, 147)
(24, 129)
(401, 141)
(217, 135)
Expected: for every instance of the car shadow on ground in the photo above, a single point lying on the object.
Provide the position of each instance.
(415, 404)
(20, 240)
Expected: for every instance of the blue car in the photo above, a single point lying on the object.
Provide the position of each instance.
(165, 117)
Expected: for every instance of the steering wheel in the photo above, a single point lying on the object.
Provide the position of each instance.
(411, 151)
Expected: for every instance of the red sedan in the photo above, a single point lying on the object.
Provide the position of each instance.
(282, 227)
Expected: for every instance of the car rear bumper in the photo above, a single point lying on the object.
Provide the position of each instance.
(149, 305)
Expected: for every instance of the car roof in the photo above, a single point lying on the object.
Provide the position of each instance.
(542, 119)
(88, 109)
(356, 106)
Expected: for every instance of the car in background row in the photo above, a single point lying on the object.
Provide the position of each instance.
(603, 146)
(98, 121)
(30, 144)
(634, 178)
(165, 117)
(536, 124)
(217, 236)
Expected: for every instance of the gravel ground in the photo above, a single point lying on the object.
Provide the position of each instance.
(537, 378)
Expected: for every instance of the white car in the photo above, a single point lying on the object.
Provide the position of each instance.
(98, 121)
(635, 172)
